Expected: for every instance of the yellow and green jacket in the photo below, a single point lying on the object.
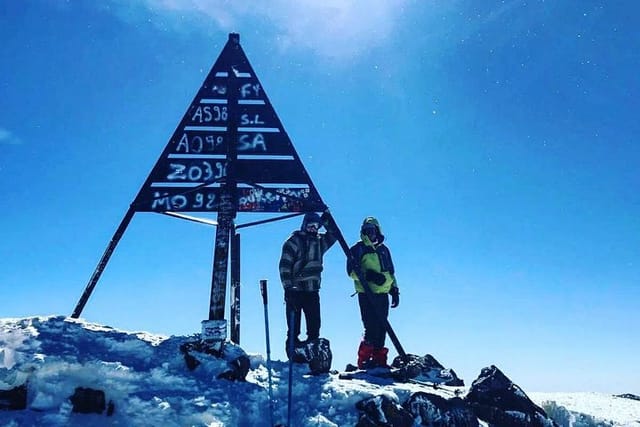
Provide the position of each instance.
(372, 257)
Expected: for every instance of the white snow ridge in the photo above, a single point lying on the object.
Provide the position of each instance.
(49, 365)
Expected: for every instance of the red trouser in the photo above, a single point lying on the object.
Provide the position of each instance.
(370, 357)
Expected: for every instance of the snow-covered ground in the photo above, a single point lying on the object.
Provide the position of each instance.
(616, 410)
(147, 380)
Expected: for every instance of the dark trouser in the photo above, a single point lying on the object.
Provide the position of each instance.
(374, 310)
(299, 302)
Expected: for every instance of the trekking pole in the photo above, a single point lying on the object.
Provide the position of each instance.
(365, 285)
(292, 319)
(263, 291)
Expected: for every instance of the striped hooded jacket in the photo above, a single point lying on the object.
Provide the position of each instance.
(301, 260)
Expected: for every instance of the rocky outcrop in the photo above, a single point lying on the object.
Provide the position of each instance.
(436, 411)
(382, 411)
(494, 398)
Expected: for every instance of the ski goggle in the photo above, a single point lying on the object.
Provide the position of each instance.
(369, 230)
(313, 226)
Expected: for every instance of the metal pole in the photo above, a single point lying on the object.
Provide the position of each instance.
(220, 264)
(235, 288)
(103, 263)
(292, 327)
(265, 221)
(263, 291)
(214, 330)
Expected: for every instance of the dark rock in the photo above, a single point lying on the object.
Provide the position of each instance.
(495, 399)
(14, 398)
(88, 401)
(317, 353)
(238, 369)
(411, 365)
(382, 411)
(196, 352)
(300, 352)
(430, 362)
(320, 356)
(350, 368)
(110, 408)
(427, 368)
(627, 396)
(186, 349)
(436, 411)
(190, 360)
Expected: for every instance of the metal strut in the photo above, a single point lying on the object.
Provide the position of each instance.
(103, 263)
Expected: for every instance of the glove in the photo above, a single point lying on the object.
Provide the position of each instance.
(375, 277)
(324, 219)
(395, 296)
(327, 223)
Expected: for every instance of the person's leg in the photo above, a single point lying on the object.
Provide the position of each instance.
(365, 350)
(292, 304)
(368, 317)
(379, 356)
(311, 308)
(380, 311)
(365, 355)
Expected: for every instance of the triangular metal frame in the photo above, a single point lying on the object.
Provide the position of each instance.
(230, 153)
(230, 135)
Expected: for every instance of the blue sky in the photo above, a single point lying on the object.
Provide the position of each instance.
(495, 141)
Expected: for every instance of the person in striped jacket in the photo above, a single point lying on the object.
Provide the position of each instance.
(300, 273)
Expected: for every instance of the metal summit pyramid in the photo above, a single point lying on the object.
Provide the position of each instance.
(229, 136)
(229, 154)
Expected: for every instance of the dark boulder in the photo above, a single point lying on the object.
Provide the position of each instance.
(627, 396)
(90, 401)
(320, 356)
(427, 368)
(238, 369)
(382, 411)
(317, 353)
(495, 399)
(198, 352)
(436, 411)
(14, 398)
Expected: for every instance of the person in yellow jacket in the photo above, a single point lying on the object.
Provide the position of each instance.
(373, 259)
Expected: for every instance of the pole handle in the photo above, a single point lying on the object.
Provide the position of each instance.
(263, 290)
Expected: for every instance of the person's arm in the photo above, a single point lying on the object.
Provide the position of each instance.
(395, 290)
(395, 295)
(354, 258)
(331, 236)
(287, 259)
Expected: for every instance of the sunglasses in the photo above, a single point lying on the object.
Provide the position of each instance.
(314, 225)
(369, 230)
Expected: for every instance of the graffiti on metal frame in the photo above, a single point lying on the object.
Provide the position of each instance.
(229, 134)
(271, 199)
